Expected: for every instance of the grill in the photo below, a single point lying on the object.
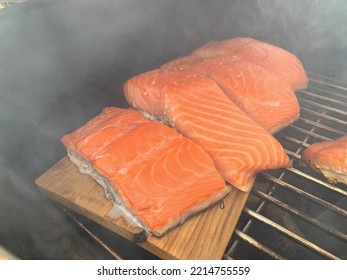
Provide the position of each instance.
(64, 60)
(292, 213)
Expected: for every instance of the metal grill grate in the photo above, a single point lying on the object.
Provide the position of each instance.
(295, 213)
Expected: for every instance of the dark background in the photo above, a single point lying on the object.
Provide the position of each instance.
(61, 62)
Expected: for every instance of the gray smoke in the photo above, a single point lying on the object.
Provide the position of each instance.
(61, 62)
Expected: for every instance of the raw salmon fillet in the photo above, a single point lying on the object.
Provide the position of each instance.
(286, 65)
(194, 105)
(266, 98)
(261, 94)
(329, 158)
(216, 48)
(146, 91)
(155, 173)
(182, 62)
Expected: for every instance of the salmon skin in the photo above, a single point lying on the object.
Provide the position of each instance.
(261, 94)
(277, 60)
(152, 171)
(329, 158)
(194, 105)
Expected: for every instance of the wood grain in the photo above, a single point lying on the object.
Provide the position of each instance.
(204, 236)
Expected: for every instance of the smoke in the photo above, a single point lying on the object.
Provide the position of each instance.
(53, 62)
(61, 62)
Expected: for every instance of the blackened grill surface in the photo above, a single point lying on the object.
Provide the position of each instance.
(295, 213)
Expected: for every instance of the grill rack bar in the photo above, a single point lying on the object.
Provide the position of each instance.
(300, 214)
(320, 182)
(256, 244)
(338, 121)
(295, 141)
(331, 100)
(289, 234)
(293, 154)
(322, 126)
(307, 195)
(326, 81)
(299, 129)
(249, 224)
(325, 107)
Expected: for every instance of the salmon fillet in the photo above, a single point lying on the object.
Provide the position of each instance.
(286, 65)
(146, 91)
(182, 62)
(216, 48)
(261, 94)
(194, 105)
(266, 98)
(155, 173)
(329, 158)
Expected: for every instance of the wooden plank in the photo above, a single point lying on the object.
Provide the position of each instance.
(204, 236)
